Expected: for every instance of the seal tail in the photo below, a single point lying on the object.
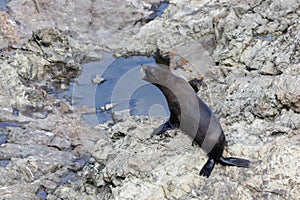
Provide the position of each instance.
(231, 161)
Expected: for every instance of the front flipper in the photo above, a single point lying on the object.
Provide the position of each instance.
(208, 167)
(231, 161)
(163, 128)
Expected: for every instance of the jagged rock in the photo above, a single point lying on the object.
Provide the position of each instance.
(252, 86)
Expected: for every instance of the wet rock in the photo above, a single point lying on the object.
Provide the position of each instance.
(162, 167)
(48, 55)
(252, 86)
(98, 79)
(108, 106)
(39, 155)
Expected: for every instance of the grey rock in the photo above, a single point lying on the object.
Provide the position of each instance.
(287, 91)
(8, 31)
(253, 54)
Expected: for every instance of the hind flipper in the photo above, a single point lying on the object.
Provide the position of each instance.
(231, 161)
(208, 167)
(163, 128)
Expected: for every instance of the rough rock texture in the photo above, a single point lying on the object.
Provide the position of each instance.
(251, 79)
(8, 31)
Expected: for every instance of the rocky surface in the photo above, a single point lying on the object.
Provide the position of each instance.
(249, 62)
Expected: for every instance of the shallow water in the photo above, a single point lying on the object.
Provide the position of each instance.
(123, 86)
(3, 4)
(4, 163)
(8, 124)
(161, 9)
(3, 138)
(265, 37)
(41, 194)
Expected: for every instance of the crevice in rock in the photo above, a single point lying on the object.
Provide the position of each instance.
(157, 9)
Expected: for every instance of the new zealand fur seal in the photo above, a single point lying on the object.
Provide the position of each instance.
(192, 116)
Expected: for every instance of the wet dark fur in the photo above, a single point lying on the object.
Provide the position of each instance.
(215, 154)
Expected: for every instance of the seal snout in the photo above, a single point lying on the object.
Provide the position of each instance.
(143, 71)
(148, 73)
